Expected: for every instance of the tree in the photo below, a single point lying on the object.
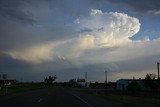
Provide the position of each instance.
(72, 83)
(150, 76)
(133, 87)
(49, 80)
(150, 81)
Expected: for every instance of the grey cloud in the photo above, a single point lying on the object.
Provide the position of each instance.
(15, 69)
(90, 31)
(95, 72)
(25, 72)
(85, 30)
(101, 29)
(28, 72)
(139, 64)
(142, 6)
(52, 20)
(12, 9)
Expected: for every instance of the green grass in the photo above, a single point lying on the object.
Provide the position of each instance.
(23, 87)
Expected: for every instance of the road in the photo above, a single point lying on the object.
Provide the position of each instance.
(55, 97)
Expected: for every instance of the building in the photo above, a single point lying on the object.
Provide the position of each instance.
(123, 83)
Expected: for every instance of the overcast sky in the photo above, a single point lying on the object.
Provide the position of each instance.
(67, 38)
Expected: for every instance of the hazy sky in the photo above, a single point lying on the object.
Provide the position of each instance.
(67, 38)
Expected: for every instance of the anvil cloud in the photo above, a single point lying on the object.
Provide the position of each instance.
(70, 37)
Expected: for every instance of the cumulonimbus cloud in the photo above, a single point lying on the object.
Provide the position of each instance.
(110, 29)
(107, 30)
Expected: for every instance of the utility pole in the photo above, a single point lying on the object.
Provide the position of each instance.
(158, 69)
(85, 79)
(86, 76)
(106, 76)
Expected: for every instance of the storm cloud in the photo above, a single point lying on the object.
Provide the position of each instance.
(68, 38)
(118, 28)
(13, 10)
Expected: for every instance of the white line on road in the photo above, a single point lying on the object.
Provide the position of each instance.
(82, 100)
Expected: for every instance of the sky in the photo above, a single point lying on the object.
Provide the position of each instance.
(67, 38)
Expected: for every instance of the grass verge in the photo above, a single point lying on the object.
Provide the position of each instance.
(129, 101)
(21, 87)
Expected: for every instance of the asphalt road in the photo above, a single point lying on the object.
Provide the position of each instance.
(55, 97)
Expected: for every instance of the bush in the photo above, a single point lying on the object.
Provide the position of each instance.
(133, 87)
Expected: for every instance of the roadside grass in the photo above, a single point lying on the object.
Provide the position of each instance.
(20, 87)
(128, 100)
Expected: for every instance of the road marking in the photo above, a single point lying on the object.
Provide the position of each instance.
(82, 100)
(39, 100)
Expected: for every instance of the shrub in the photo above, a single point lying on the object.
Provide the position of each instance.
(133, 87)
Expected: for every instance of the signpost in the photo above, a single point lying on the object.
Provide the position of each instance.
(3, 77)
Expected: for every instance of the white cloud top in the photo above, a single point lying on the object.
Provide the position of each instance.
(110, 29)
